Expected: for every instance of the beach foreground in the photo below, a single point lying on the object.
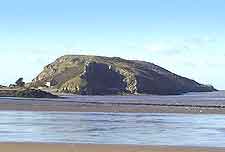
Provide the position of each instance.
(39, 147)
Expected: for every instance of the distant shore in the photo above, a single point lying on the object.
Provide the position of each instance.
(41, 147)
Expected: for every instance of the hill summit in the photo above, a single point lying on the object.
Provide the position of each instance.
(98, 75)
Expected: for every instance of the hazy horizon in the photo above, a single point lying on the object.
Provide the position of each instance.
(185, 37)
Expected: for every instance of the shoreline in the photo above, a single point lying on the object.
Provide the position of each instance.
(203, 103)
(53, 147)
(117, 108)
(7, 104)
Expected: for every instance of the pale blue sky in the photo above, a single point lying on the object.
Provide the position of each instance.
(184, 36)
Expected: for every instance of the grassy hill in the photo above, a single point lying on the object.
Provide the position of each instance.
(98, 75)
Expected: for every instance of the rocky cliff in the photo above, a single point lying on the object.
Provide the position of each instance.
(97, 75)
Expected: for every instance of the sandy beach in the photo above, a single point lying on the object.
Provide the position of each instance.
(134, 104)
(77, 107)
(39, 147)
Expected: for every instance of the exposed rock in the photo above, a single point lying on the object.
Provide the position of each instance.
(1, 86)
(33, 93)
(102, 79)
(7, 92)
(12, 86)
(96, 75)
(26, 93)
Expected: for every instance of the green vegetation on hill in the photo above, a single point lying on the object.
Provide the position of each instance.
(97, 75)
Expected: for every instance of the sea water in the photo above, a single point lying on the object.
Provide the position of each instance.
(113, 128)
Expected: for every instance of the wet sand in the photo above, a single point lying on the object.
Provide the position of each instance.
(38, 147)
(93, 105)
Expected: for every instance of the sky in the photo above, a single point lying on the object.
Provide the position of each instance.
(186, 37)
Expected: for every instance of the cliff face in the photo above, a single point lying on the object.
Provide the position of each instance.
(96, 75)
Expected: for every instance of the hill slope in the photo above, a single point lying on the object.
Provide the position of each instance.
(97, 75)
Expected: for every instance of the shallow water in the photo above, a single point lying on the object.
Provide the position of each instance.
(113, 128)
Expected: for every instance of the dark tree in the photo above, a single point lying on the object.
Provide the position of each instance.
(20, 82)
